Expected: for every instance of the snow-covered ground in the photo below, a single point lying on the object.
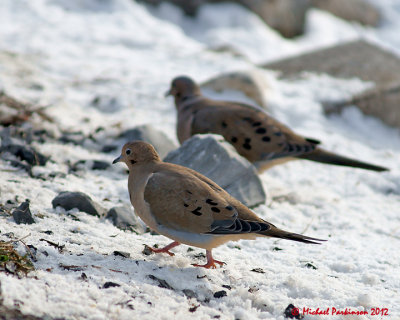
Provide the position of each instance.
(77, 50)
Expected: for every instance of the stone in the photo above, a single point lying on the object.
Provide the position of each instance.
(69, 200)
(352, 10)
(355, 59)
(285, 16)
(90, 164)
(220, 294)
(251, 83)
(76, 138)
(149, 134)
(212, 156)
(292, 312)
(107, 104)
(124, 218)
(25, 153)
(23, 214)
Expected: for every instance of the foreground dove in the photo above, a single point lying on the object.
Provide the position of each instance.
(189, 208)
(255, 135)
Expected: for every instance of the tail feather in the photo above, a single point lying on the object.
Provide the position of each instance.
(320, 155)
(278, 233)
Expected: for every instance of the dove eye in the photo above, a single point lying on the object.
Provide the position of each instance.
(128, 152)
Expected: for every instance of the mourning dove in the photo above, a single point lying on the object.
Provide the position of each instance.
(189, 208)
(255, 135)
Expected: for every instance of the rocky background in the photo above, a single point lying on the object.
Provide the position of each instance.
(79, 79)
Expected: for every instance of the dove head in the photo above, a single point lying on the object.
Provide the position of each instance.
(137, 152)
(182, 88)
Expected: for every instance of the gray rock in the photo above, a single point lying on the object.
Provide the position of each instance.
(149, 134)
(356, 59)
(251, 83)
(69, 200)
(286, 16)
(76, 138)
(23, 214)
(353, 10)
(212, 156)
(90, 164)
(124, 218)
(107, 104)
(24, 153)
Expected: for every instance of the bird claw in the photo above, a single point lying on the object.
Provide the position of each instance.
(210, 264)
(165, 249)
(162, 250)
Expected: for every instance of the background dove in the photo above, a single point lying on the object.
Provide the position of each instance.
(189, 208)
(255, 135)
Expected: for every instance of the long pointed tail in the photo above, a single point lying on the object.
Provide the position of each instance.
(320, 155)
(278, 233)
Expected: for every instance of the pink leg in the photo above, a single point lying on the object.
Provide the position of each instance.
(166, 248)
(210, 262)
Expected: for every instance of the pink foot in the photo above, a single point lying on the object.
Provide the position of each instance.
(211, 262)
(166, 248)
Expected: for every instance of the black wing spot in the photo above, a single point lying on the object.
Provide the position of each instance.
(188, 192)
(230, 208)
(266, 139)
(247, 146)
(197, 211)
(215, 209)
(133, 161)
(185, 205)
(224, 125)
(314, 141)
(247, 140)
(256, 124)
(290, 148)
(261, 130)
(234, 139)
(298, 148)
(209, 201)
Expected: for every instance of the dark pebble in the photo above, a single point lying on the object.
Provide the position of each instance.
(110, 284)
(220, 294)
(23, 214)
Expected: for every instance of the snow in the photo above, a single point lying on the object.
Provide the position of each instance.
(80, 50)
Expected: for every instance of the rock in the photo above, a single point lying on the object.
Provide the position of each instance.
(220, 294)
(69, 200)
(121, 254)
(90, 164)
(348, 61)
(212, 156)
(110, 284)
(23, 214)
(76, 138)
(107, 104)
(161, 282)
(292, 312)
(286, 16)
(189, 293)
(149, 134)
(251, 83)
(123, 218)
(353, 10)
(24, 153)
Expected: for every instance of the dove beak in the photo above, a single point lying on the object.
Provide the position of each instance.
(168, 93)
(119, 159)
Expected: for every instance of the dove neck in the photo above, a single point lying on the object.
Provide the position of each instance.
(184, 101)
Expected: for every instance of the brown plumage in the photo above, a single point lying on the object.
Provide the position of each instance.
(189, 208)
(257, 136)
